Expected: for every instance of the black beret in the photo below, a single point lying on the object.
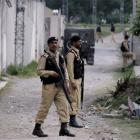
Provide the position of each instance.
(75, 38)
(51, 39)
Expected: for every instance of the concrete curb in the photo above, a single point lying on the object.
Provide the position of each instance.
(3, 83)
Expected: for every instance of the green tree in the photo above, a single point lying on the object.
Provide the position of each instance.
(54, 4)
(136, 26)
(81, 10)
(110, 10)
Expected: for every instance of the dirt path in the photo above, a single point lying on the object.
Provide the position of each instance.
(100, 77)
(19, 103)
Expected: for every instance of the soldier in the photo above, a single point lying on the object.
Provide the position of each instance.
(112, 29)
(74, 67)
(99, 34)
(126, 53)
(51, 90)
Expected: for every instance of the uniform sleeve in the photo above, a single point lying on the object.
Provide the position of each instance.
(41, 67)
(70, 66)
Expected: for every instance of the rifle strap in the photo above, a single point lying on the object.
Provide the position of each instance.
(59, 59)
(74, 52)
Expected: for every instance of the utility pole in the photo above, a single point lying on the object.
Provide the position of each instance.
(133, 18)
(1, 27)
(19, 33)
(122, 14)
(36, 41)
(65, 9)
(134, 8)
(94, 11)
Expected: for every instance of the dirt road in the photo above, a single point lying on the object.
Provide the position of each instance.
(20, 101)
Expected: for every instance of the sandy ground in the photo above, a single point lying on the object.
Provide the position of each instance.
(19, 102)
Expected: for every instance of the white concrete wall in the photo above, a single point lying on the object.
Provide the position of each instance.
(0, 36)
(29, 52)
(54, 26)
(136, 49)
(40, 29)
(57, 26)
(63, 26)
(3, 35)
(47, 29)
(7, 32)
(35, 35)
(48, 14)
(10, 33)
(34, 31)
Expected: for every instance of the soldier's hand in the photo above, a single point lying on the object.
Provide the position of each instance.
(74, 86)
(54, 74)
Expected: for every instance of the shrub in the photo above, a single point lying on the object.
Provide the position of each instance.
(29, 70)
(12, 70)
(136, 26)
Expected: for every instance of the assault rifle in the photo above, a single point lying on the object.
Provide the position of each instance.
(62, 81)
(82, 85)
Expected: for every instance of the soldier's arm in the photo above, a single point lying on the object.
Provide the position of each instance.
(41, 68)
(126, 46)
(70, 66)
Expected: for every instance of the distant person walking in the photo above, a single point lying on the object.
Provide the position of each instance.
(99, 34)
(112, 29)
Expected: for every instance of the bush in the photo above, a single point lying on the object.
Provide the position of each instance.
(136, 26)
(29, 70)
(12, 70)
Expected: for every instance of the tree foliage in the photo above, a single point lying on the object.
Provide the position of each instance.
(108, 10)
(136, 26)
(54, 4)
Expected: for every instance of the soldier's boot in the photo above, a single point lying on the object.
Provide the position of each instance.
(38, 131)
(64, 131)
(73, 122)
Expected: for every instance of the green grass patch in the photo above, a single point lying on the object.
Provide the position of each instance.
(122, 99)
(127, 72)
(127, 85)
(13, 70)
(129, 128)
(119, 74)
(28, 70)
